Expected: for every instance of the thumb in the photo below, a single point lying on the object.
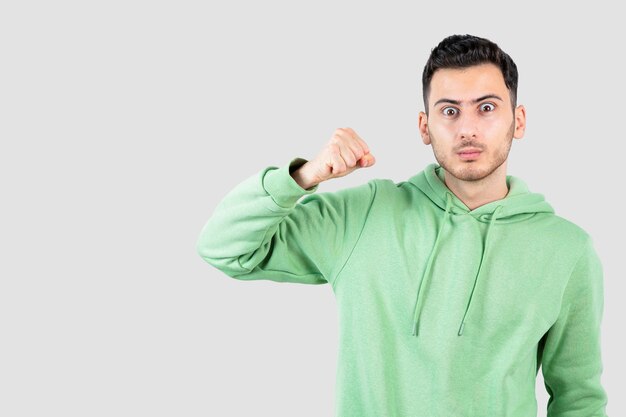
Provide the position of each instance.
(367, 160)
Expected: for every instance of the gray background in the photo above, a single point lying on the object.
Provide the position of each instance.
(123, 123)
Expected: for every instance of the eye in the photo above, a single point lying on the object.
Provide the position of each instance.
(449, 111)
(488, 107)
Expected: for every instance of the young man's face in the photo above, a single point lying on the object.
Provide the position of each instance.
(471, 108)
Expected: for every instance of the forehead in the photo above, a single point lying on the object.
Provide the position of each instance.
(467, 83)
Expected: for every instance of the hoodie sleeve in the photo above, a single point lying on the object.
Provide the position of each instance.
(259, 230)
(571, 361)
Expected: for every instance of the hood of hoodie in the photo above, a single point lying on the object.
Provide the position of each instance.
(518, 205)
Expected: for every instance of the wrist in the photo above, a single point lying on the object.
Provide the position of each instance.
(301, 178)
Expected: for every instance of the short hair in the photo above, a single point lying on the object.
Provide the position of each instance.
(462, 51)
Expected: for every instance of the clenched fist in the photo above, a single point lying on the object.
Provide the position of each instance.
(344, 153)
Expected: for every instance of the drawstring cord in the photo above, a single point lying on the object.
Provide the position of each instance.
(483, 256)
(423, 282)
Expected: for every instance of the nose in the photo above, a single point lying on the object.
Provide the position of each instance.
(468, 125)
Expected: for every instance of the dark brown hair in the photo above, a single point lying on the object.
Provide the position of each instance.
(461, 51)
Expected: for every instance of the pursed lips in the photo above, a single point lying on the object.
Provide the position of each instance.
(470, 153)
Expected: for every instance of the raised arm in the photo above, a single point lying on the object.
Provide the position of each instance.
(260, 231)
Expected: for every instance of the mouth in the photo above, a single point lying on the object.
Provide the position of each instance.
(469, 154)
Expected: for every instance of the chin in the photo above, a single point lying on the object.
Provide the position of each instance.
(469, 171)
(472, 175)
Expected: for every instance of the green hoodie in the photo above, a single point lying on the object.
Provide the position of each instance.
(443, 311)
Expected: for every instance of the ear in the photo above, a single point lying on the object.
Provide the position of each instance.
(423, 126)
(520, 122)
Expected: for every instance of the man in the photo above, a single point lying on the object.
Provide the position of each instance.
(453, 287)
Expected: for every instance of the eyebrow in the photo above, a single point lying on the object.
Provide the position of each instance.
(457, 102)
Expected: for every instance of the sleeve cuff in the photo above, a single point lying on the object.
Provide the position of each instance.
(280, 185)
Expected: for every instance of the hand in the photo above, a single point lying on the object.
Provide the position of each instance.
(344, 153)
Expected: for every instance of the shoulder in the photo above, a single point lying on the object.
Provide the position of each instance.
(393, 187)
(570, 240)
(376, 191)
(361, 195)
(401, 194)
(567, 230)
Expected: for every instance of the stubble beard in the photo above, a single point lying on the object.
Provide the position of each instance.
(466, 171)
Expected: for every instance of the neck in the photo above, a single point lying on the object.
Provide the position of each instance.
(477, 193)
